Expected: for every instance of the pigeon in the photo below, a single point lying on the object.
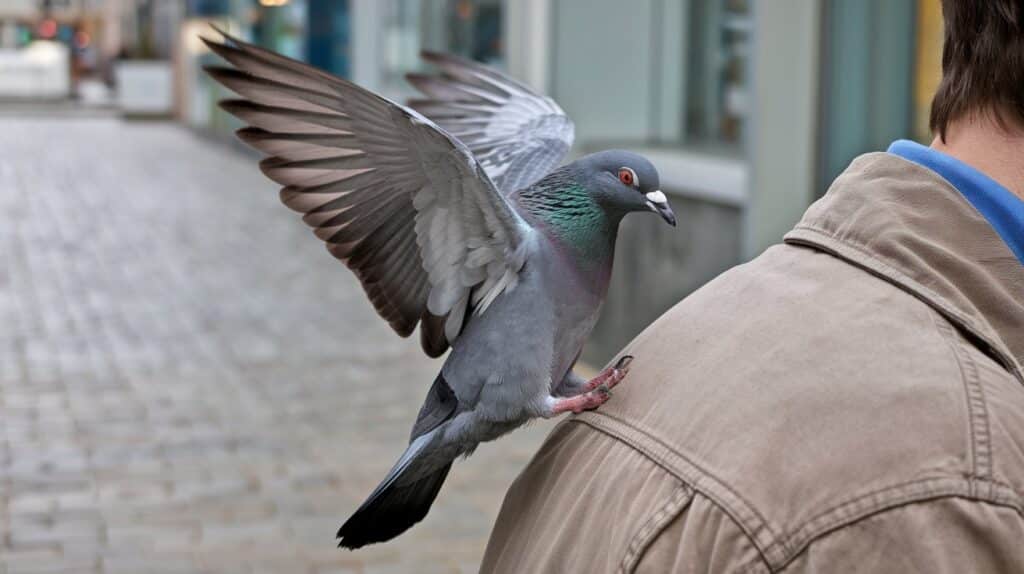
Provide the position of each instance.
(456, 218)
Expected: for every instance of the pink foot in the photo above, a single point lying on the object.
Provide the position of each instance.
(611, 376)
(579, 403)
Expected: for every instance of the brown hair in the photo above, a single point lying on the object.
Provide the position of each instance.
(982, 62)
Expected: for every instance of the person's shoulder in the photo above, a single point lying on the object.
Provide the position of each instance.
(801, 393)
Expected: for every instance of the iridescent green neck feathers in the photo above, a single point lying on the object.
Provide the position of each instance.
(571, 214)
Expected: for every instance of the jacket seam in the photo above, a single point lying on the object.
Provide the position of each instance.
(827, 243)
(781, 550)
(920, 291)
(920, 489)
(770, 538)
(862, 505)
(653, 526)
(977, 413)
(1006, 500)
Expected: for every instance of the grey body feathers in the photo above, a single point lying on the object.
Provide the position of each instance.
(498, 375)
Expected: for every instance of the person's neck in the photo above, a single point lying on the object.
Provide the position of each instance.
(997, 151)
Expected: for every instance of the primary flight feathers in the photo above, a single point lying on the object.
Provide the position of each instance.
(518, 136)
(412, 210)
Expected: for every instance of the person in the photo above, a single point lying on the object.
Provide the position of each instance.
(850, 401)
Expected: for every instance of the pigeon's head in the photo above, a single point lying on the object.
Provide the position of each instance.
(623, 182)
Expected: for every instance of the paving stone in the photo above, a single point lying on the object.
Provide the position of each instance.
(21, 559)
(188, 382)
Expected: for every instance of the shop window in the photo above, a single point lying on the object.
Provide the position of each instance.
(469, 28)
(665, 73)
(716, 101)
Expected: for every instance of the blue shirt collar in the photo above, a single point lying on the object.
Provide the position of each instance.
(1003, 210)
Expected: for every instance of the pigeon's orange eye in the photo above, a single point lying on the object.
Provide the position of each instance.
(627, 176)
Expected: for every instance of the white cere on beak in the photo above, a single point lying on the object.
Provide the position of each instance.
(657, 197)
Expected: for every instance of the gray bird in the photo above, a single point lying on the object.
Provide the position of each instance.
(461, 224)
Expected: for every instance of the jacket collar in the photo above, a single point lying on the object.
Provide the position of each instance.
(907, 225)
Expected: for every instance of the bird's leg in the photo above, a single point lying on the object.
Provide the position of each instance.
(589, 394)
(611, 376)
(582, 402)
(574, 384)
(570, 386)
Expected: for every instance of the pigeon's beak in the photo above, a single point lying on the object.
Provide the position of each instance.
(658, 203)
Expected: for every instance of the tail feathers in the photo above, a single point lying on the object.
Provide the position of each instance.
(392, 509)
(406, 493)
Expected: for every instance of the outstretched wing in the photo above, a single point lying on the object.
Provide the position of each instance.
(399, 201)
(517, 135)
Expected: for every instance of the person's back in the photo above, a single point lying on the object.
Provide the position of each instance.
(852, 400)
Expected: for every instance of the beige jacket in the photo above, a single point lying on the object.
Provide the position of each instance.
(850, 401)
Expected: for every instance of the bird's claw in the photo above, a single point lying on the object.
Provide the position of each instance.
(611, 376)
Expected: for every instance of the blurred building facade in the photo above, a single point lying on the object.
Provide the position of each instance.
(748, 108)
(71, 49)
(45, 46)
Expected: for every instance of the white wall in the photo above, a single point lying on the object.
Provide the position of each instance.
(367, 43)
(528, 42)
(781, 142)
(602, 54)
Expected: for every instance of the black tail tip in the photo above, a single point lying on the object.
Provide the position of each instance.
(348, 539)
(344, 543)
(391, 511)
(374, 525)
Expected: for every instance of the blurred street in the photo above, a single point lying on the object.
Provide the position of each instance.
(188, 381)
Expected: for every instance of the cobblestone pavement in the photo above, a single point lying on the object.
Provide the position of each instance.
(188, 381)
